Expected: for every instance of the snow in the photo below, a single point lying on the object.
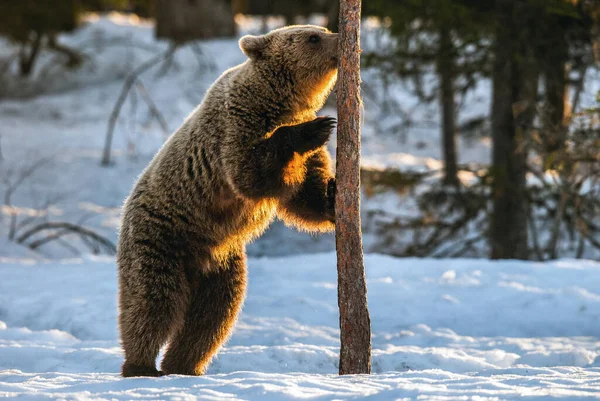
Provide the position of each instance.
(442, 330)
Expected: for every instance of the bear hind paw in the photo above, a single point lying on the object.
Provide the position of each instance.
(131, 370)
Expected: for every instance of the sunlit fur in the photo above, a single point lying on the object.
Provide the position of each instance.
(251, 151)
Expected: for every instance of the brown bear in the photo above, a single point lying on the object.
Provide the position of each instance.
(254, 149)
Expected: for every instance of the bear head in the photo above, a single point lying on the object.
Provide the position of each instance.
(304, 57)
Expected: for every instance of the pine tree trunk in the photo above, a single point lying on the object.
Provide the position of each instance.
(355, 323)
(186, 20)
(555, 124)
(554, 69)
(514, 86)
(446, 72)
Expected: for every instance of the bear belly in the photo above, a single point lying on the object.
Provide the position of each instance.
(254, 221)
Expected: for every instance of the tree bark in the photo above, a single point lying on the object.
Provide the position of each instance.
(446, 72)
(355, 323)
(514, 89)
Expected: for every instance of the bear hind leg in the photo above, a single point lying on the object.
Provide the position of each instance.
(216, 301)
(146, 326)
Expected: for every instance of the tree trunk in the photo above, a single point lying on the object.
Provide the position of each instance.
(332, 16)
(554, 69)
(186, 20)
(355, 323)
(555, 127)
(446, 72)
(27, 59)
(514, 88)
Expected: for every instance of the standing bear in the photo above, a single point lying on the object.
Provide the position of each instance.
(254, 149)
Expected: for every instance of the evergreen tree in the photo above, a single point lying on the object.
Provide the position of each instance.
(28, 22)
(445, 34)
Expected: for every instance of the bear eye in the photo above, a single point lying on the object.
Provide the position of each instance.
(314, 39)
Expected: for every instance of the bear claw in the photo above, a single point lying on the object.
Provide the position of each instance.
(316, 133)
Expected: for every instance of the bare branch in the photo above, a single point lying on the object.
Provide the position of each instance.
(65, 228)
(152, 106)
(129, 81)
(11, 187)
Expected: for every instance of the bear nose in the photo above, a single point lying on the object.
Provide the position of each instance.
(335, 42)
(335, 39)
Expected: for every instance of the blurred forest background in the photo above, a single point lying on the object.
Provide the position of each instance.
(481, 133)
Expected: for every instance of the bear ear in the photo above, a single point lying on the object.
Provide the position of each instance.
(253, 46)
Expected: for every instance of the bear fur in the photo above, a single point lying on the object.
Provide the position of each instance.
(252, 150)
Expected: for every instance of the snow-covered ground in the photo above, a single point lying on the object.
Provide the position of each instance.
(442, 330)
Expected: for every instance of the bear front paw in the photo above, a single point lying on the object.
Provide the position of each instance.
(314, 134)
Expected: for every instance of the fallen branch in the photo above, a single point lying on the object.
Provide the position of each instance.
(64, 228)
(74, 58)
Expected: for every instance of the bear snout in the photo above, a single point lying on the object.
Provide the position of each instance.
(333, 46)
